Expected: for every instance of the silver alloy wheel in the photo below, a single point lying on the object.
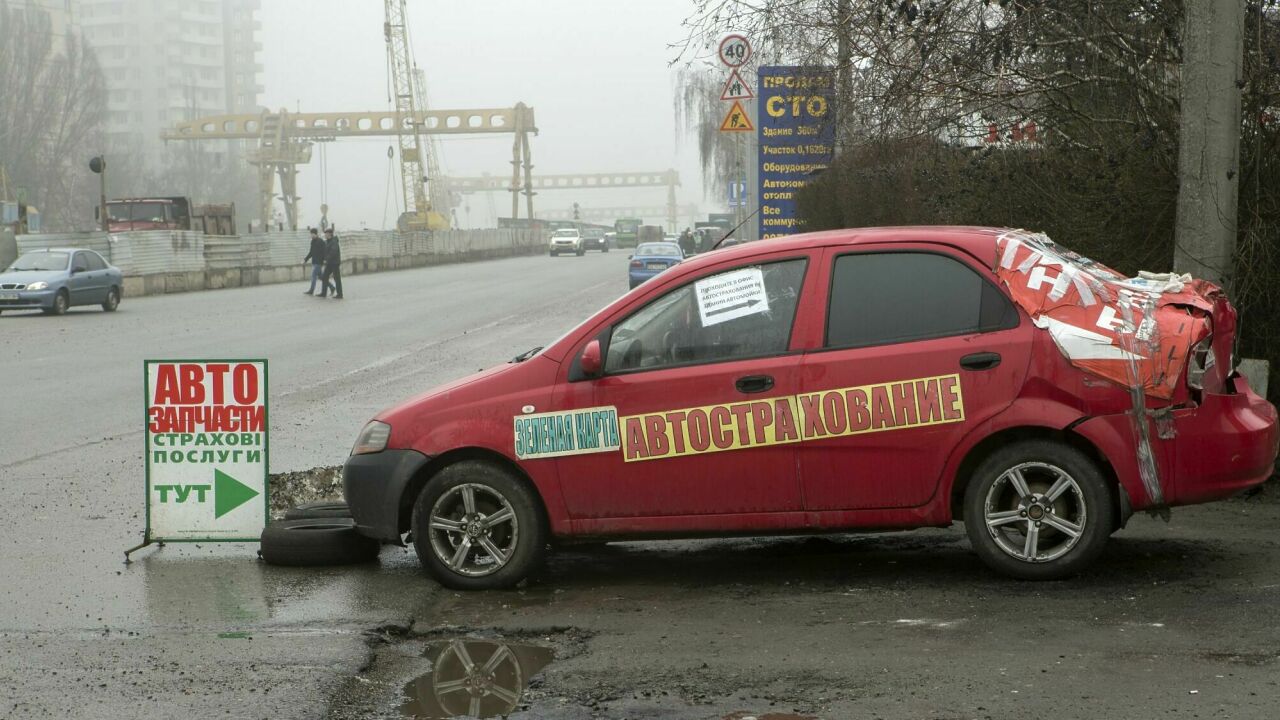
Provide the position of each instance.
(473, 530)
(1035, 512)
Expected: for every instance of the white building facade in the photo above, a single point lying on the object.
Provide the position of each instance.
(166, 61)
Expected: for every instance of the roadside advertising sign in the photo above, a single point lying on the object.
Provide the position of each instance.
(206, 450)
(734, 50)
(796, 138)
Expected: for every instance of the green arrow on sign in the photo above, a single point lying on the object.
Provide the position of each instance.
(229, 493)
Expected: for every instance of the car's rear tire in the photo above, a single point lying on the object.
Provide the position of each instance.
(112, 302)
(61, 302)
(604, 249)
(496, 515)
(1024, 503)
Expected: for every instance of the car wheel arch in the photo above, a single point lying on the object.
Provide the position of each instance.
(975, 455)
(438, 463)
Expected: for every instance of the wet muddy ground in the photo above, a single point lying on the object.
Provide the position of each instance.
(1178, 620)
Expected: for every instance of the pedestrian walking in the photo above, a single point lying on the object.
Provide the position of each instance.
(332, 264)
(316, 258)
(686, 243)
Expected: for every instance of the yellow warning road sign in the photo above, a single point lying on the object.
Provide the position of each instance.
(737, 120)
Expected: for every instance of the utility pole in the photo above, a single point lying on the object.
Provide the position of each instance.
(1209, 139)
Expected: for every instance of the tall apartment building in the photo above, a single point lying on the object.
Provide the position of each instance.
(171, 60)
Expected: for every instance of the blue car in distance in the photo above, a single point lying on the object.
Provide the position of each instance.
(652, 258)
(54, 280)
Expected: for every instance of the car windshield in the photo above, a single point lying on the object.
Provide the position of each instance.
(660, 249)
(566, 233)
(136, 212)
(41, 260)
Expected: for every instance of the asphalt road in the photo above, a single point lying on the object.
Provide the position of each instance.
(1178, 620)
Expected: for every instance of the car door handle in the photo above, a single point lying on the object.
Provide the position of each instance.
(980, 361)
(754, 383)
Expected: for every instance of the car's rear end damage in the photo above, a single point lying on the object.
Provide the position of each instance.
(1193, 430)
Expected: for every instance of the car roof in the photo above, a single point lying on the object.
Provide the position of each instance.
(978, 241)
(57, 249)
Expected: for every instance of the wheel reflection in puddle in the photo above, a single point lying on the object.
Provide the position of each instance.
(473, 678)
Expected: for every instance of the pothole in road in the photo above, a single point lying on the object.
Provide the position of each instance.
(473, 678)
(461, 672)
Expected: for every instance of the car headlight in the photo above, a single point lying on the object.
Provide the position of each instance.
(38, 285)
(372, 439)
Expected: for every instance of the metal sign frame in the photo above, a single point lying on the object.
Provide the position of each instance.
(150, 538)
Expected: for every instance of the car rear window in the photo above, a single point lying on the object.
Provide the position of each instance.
(664, 249)
(884, 298)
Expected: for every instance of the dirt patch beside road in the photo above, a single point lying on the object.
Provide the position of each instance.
(294, 488)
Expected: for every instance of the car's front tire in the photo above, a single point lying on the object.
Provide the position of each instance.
(112, 302)
(554, 253)
(478, 527)
(582, 251)
(61, 302)
(1038, 510)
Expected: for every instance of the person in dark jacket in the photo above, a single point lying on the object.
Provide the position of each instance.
(316, 258)
(332, 264)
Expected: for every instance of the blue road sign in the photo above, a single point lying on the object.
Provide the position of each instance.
(797, 133)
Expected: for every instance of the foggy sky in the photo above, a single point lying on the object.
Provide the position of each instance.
(595, 71)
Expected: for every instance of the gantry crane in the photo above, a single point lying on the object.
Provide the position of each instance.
(670, 179)
(285, 138)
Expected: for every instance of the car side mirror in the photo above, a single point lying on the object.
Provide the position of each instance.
(78, 269)
(590, 360)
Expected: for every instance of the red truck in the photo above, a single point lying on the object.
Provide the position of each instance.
(170, 213)
(876, 378)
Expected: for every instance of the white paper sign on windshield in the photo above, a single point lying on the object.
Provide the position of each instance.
(731, 295)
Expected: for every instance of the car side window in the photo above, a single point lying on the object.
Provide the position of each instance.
(78, 261)
(892, 297)
(94, 261)
(740, 313)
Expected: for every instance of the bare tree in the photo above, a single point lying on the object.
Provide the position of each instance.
(52, 100)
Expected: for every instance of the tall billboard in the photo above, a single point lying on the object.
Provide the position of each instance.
(797, 136)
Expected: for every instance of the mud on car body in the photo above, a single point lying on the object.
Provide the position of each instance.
(871, 378)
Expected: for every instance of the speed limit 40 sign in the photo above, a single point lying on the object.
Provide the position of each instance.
(735, 50)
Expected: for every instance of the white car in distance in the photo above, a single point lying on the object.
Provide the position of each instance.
(566, 240)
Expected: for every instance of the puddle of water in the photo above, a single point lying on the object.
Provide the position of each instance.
(473, 678)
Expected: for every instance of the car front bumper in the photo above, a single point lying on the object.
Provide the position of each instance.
(374, 485)
(564, 247)
(27, 299)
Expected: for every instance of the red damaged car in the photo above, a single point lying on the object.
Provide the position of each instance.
(870, 378)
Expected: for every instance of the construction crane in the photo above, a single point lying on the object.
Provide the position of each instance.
(442, 201)
(418, 212)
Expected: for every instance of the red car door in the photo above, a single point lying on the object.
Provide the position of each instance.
(920, 347)
(702, 377)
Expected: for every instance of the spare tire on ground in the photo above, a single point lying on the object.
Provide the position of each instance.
(316, 541)
(319, 509)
